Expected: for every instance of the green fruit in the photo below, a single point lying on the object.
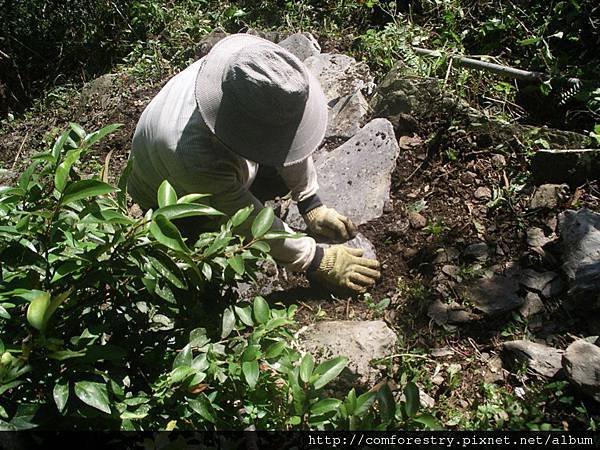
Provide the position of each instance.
(36, 312)
(6, 359)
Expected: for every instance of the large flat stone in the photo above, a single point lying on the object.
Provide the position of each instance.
(347, 116)
(573, 166)
(355, 178)
(361, 342)
(495, 295)
(580, 240)
(339, 75)
(581, 363)
(540, 359)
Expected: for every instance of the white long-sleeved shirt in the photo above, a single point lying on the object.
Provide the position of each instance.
(172, 142)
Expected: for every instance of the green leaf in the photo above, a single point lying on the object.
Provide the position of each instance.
(251, 353)
(36, 311)
(166, 194)
(93, 394)
(263, 222)
(61, 394)
(262, 246)
(167, 234)
(179, 374)
(64, 168)
(94, 137)
(191, 198)
(184, 357)
(168, 269)
(325, 406)
(387, 404)
(328, 370)
(4, 313)
(203, 407)
(245, 315)
(237, 264)
(413, 403)
(198, 337)
(430, 422)
(241, 216)
(228, 323)
(179, 211)
(261, 309)
(274, 350)
(364, 403)
(59, 144)
(84, 189)
(306, 367)
(77, 129)
(250, 371)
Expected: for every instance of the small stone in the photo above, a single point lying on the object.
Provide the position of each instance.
(581, 363)
(498, 161)
(452, 271)
(483, 193)
(540, 359)
(441, 352)
(478, 251)
(533, 305)
(417, 221)
(409, 252)
(438, 380)
(548, 196)
(539, 282)
(426, 400)
(450, 314)
(388, 206)
(536, 237)
(446, 255)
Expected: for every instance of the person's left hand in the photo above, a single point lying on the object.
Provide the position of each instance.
(328, 223)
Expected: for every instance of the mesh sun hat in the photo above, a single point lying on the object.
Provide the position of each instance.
(260, 101)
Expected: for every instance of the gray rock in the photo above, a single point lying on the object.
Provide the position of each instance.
(361, 342)
(581, 363)
(355, 178)
(273, 36)
(537, 238)
(347, 116)
(549, 196)
(532, 305)
(495, 295)
(207, 42)
(498, 161)
(478, 251)
(539, 359)
(301, 45)
(416, 220)
(483, 193)
(540, 282)
(580, 235)
(360, 241)
(573, 166)
(450, 314)
(452, 271)
(101, 90)
(339, 75)
(446, 255)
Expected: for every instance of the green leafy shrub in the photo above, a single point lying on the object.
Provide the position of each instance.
(114, 322)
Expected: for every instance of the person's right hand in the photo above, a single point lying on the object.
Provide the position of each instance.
(343, 267)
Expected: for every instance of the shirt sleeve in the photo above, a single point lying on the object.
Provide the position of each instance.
(301, 179)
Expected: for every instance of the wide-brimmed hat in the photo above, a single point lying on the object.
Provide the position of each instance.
(260, 101)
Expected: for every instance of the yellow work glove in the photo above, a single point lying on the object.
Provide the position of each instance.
(328, 223)
(342, 267)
